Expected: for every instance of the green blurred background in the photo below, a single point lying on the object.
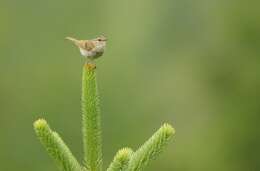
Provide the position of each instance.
(194, 64)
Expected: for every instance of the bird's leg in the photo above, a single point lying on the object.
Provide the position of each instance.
(90, 63)
(90, 66)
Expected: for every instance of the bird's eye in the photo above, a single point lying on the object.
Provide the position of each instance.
(99, 39)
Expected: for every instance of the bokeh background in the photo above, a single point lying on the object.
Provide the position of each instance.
(194, 64)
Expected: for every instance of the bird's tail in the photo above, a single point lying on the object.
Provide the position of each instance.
(75, 41)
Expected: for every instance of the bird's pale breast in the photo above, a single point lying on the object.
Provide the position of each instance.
(87, 53)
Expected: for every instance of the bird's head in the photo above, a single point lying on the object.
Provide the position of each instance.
(101, 38)
(100, 43)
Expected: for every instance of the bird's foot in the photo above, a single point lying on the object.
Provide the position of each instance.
(90, 65)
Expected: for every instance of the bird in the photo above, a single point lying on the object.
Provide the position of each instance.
(91, 49)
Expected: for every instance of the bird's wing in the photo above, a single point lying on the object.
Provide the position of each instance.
(89, 45)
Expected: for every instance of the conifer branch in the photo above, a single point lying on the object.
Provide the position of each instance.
(55, 146)
(124, 160)
(91, 120)
(151, 148)
(121, 159)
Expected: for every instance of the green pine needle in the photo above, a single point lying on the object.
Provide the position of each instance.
(91, 120)
(55, 146)
(151, 148)
(124, 160)
(121, 160)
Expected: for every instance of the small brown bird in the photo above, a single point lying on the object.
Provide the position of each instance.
(91, 49)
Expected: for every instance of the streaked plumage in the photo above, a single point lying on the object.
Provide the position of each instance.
(91, 49)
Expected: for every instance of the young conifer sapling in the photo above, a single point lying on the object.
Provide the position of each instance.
(125, 159)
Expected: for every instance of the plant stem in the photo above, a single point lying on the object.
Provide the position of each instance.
(55, 146)
(151, 148)
(121, 159)
(91, 120)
